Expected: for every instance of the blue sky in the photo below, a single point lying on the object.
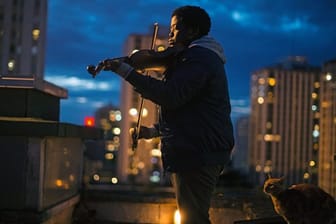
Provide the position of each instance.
(254, 34)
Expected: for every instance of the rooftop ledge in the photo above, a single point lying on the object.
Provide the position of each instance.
(30, 82)
(15, 126)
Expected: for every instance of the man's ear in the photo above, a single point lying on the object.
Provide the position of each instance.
(193, 33)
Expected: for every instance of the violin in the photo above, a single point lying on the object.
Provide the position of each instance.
(144, 60)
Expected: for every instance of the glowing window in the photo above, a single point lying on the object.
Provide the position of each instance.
(11, 65)
(328, 76)
(36, 34)
(114, 180)
(271, 81)
(261, 100)
(116, 131)
(133, 112)
(109, 156)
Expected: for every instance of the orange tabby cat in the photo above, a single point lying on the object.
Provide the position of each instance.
(301, 203)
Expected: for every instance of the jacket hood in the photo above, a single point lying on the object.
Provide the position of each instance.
(211, 44)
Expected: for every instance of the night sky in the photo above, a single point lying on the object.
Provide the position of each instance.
(254, 34)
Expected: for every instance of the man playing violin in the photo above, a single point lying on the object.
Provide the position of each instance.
(195, 125)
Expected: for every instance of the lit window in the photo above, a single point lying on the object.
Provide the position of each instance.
(133, 112)
(109, 156)
(96, 177)
(141, 165)
(36, 34)
(118, 115)
(316, 85)
(116, 131)
(59, 183)
(316, 133)
(261, 100)
(114, 180)
(11, 65)
(261, 81)
(312, 163)
(328, 76)
(267, 169)
(306, 175)
(269, 125)
(258, 168)
(271, 81)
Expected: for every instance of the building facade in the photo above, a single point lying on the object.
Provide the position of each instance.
(284, 133)
(143, 165)
(240, 150)
(23, 37)
(327, 153)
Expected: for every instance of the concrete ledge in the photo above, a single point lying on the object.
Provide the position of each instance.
(270, 220)
(132, 204)
(59, 213)
(11, 126)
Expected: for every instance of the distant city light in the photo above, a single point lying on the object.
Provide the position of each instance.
(89, 121)
(116, 131)
(114, 180)
(11, 65)
(271, 81)
(109, 156)
(306, 175)
(59, 183)
(261, 81)
(133, 112)
(36, 34)
(328, 76)
(96, 177)
(316, 133)
(312, 163)
(261, 100)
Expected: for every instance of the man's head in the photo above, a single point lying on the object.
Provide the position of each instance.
(188, 23)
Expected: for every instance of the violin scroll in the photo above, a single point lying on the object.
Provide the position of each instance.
(93, 70)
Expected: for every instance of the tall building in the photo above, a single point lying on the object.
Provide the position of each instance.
(143, 165)
(100, 165)
(327, 154)
(285, 122)
(240, 151)
(23, 37)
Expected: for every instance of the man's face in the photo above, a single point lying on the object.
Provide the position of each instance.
(178, 34)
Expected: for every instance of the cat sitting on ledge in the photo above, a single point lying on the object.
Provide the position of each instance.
(301, 203)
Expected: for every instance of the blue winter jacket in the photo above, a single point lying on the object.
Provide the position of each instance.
(195, 124)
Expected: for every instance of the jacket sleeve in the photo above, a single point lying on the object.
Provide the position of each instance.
(186, 81)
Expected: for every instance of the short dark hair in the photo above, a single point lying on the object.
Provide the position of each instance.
(194, 17)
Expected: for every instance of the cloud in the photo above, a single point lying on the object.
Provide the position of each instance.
(240, 107)
(79, 84)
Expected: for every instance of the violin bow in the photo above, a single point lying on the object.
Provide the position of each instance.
(135, 135)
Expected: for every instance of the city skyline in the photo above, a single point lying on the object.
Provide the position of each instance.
(254, 35)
